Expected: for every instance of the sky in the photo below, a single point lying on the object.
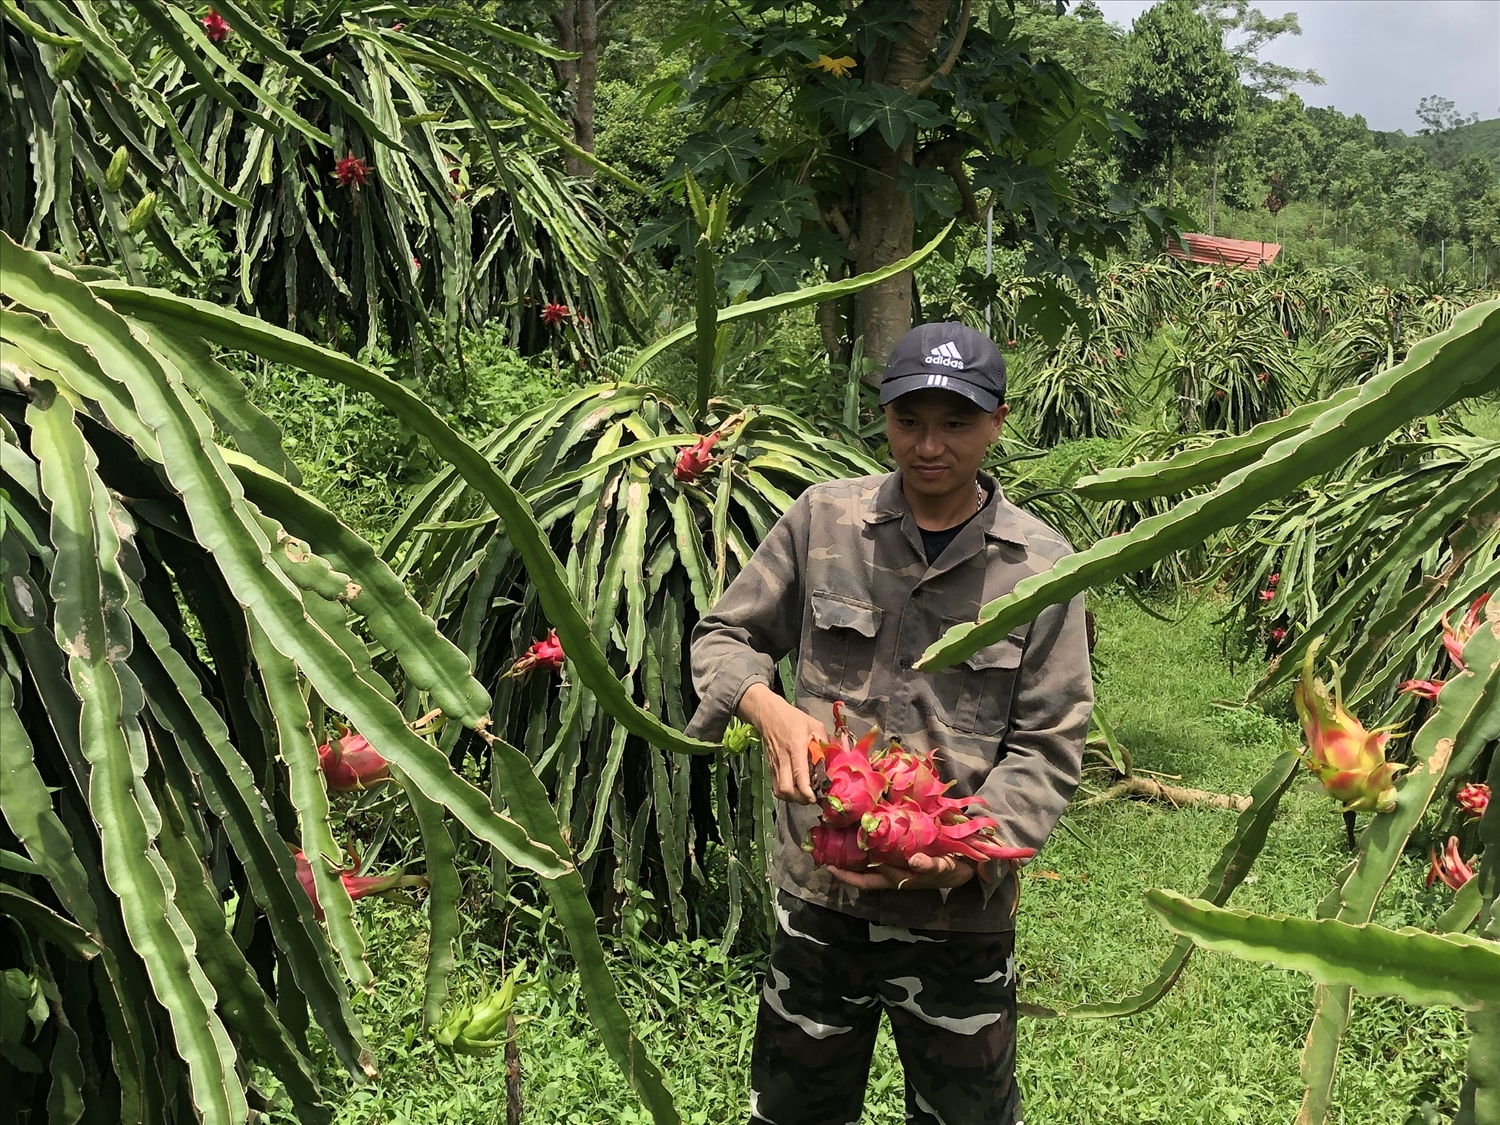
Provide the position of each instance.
(1381, 57)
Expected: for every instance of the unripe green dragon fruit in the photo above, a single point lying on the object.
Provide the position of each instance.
(1349, 760)
(479, 1028)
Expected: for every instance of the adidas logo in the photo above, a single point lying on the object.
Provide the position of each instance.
(945, 355)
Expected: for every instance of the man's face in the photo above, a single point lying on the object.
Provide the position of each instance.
(939, 439)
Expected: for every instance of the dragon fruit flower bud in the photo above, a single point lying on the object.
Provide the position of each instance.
(1348, 760)
(480, 1028)
(358, 886)
(351, 763)
(1448, 866)
(1422, 689)
(1473, 799)
(1454, 639)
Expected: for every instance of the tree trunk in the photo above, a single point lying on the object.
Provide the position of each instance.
(1213, 193)
(588, 72)
(1171, 171)
(885, 227)
(577, 25)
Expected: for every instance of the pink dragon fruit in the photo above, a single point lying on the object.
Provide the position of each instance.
(837, 847)
(893, 833)
(351, 763)
(854, 784)
(892, 808)
(912, 776)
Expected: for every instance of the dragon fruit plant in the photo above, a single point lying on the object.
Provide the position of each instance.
(889, 809)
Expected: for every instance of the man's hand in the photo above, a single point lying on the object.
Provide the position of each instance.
(785, 730)
(925, 873)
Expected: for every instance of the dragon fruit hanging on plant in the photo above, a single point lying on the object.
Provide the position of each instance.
(888, 809)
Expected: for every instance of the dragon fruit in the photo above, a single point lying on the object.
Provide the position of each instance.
(1349, 760)
(854, 784)
(1474, 799)
(696, 458)
(351, 763)
(837, 847)
(886, 810)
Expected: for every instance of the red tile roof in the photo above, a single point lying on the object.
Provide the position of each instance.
(1223, 251)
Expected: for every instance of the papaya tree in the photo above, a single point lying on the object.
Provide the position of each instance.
(850, 133)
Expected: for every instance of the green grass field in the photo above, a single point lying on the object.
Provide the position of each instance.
(1221, 1047)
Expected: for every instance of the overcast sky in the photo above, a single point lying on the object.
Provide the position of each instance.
(1381, 57)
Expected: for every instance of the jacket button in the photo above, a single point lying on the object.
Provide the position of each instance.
(906, 664)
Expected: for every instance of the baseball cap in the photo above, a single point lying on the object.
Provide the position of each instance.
(947, 357)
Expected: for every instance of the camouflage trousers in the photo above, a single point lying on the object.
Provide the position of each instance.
(950, 997)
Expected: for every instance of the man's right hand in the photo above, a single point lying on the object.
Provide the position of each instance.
(785, 730)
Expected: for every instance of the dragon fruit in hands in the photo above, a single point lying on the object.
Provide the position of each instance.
(895, 807)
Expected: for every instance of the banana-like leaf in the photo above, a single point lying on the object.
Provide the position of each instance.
(224, 525)
(430, 660)
(1414, 965)
(294, 736)
(795, 299)
(445, 892)
(245, 1007)
(1463, 360)
(28, 810)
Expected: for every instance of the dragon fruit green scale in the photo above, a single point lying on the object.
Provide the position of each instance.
(1348, 760)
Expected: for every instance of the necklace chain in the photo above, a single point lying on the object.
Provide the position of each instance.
(978, 497)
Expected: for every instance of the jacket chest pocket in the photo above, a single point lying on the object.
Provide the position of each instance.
(841, 649)
(984, 691)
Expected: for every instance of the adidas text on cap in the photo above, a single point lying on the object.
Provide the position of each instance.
(947, 357)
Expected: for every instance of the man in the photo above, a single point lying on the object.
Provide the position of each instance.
(859, 577)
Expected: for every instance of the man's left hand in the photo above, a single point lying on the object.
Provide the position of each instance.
(924, 873)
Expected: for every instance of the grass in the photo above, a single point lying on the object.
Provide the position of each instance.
(1223, 1046)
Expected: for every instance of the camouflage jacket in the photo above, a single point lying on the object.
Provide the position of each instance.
(842, 579)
